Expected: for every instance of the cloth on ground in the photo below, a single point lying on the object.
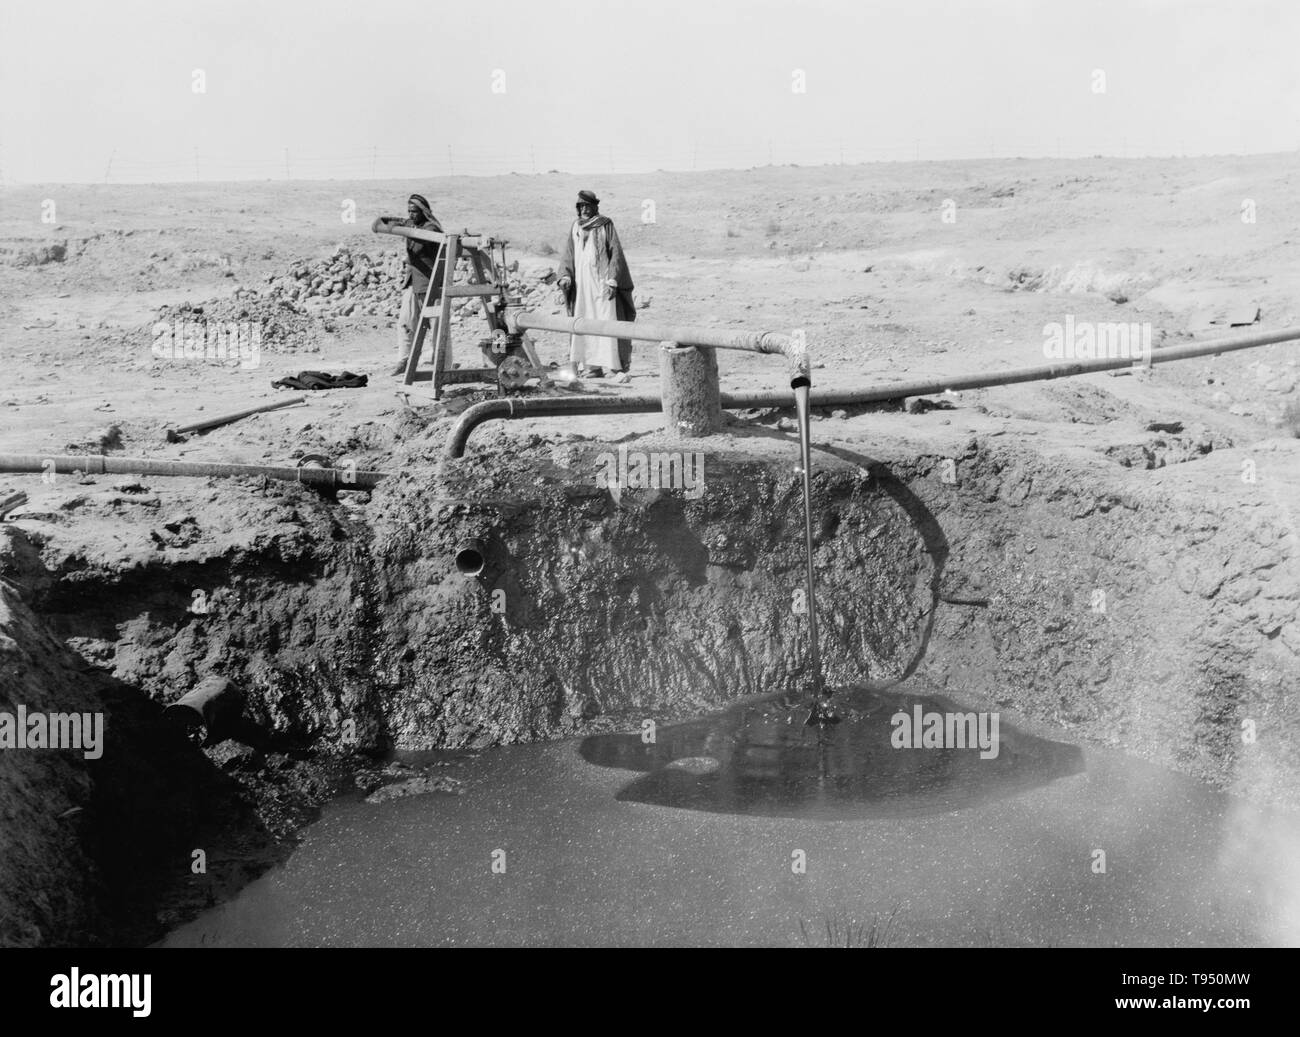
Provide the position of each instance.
(322, 380)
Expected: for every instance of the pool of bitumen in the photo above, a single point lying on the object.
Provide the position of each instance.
(749, 828)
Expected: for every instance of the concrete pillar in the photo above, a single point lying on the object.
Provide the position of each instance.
(689, 377)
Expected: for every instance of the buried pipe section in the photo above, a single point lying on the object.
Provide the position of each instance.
(201, 711)
(99, 464)
(471, 556)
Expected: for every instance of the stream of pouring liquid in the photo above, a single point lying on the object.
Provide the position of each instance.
(820, 712)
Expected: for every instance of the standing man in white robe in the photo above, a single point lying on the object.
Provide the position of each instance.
(597, 284)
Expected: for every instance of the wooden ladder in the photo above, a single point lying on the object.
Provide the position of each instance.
(435, 313)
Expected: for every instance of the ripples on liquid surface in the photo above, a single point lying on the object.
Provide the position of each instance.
(691, 840)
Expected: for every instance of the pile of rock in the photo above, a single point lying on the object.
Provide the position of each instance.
(278, 322)
(356, 284)
(291, 309)
(347, 284)
(33, 253)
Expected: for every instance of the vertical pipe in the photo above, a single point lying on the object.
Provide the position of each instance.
(820, 712)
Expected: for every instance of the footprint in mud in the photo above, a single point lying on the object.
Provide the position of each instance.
(894, 754)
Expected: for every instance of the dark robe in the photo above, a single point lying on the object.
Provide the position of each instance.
(614, 268)
(420, 256)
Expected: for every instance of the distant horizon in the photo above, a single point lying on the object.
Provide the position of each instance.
(597, 175)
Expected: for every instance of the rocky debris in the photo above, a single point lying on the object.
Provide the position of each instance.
(290, 309)
(279, 323)
(230, 755)
(1170, 447)
(418, 786)
(100, 441)
(346, 284)
(349, 284)
(35, 255)
(180, 530)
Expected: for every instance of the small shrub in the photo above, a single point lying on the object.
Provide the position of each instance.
(1291, 418)
(837, 929)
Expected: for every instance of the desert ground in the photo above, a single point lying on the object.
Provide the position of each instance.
(1173, 490)
(859, 257)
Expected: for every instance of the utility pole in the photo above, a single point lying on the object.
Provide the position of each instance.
(196, 163)
(451, 168)
(374, 154)
(286, 163)
(109, 169)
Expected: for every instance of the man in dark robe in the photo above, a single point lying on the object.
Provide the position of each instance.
(597, 284)
(421, 257)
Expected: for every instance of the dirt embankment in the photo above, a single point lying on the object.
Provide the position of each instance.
(1090, 553)
(1130, 614)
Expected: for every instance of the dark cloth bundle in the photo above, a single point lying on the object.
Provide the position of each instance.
(322, 380)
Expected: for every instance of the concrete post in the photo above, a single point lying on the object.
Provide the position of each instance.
(692, 402)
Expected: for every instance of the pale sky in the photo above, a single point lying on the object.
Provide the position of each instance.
(395, 88)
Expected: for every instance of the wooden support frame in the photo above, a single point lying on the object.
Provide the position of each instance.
(486, 283)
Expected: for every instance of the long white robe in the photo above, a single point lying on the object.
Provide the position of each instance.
(590, 301)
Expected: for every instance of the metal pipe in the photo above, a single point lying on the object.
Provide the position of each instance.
(471, 556)
(98, 464)
(542, 407)
(714, 338)
(226, 419)
(200, 711)
(1042, 372)
(479, 413)
(801, 385)
(12, 501)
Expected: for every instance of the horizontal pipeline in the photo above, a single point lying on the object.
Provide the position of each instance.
(1046, 372)
(713, 338)
(549, 407)
(98, 464)
(542, 407)
(545, 407)
(474, 416)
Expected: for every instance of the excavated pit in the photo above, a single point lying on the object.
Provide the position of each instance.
(359, 626)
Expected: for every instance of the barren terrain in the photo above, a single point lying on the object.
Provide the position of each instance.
(1116, 556)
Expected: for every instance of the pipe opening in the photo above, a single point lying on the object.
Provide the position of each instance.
(203, 709)
(469, 558)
